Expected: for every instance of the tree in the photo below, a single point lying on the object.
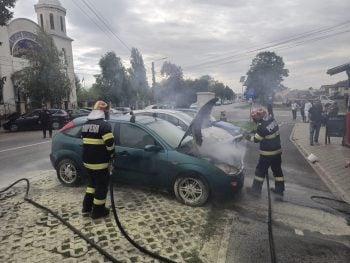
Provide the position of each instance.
(44, 80)
(173, 86)
(265, 75)
(138, 78)
(5, 13)
(113, 83)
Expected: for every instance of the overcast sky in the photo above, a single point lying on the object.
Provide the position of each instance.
(214, 37)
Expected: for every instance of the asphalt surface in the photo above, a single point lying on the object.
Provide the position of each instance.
(304, 230)
(22, 153)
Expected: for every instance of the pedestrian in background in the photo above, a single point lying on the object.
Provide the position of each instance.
(302, 111)
(307, 107)
(45, 121)
(294, 110)
(315, 117)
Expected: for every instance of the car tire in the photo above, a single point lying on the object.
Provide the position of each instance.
(68, 172)
(191, 190)
(13, 127)
(56, 125)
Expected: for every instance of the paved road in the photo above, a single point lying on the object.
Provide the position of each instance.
(304, 230)
(22, 153)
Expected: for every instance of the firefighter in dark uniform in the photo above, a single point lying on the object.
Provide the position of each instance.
(98, 151)
(268, 135)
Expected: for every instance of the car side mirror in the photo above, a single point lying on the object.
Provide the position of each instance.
(152, 148)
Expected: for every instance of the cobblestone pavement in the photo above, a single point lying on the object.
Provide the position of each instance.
(331, 159)
(155, 220)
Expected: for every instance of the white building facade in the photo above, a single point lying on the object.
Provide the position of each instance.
(19, 36)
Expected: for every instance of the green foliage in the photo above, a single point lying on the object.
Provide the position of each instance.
(138, 78)
(113, 84)
(265, 75)
(44, 80)
(5, 13)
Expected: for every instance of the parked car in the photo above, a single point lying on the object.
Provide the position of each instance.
(123, 110)
(30, 121)
(77, 113)
(156, 106)
(183, 118)
(152, 152)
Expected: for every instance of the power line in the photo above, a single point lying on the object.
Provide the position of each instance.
(101, 19)
(282, 42)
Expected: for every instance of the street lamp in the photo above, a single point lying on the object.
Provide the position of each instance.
(153, 71)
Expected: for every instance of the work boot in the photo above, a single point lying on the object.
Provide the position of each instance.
(87, 203)
(253, 192)
(99, 211)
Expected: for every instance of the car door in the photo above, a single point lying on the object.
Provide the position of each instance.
(30, 121)
(133, 164)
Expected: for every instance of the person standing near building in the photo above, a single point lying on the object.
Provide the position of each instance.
(307, 107)
(268, 135)
(315, 117)
(294, 110)
(302, 111)
(45, 121)
(98, 151)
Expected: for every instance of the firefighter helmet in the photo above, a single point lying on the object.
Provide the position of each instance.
(258, 114)
(101, 105)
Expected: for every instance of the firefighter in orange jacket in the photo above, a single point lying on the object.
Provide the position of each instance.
(268, 135)
(98, 151)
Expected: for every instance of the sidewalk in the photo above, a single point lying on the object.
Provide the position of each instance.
(154, 220)
(332, 157)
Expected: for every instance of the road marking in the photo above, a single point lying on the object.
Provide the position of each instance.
(299, 232)
(21, 147)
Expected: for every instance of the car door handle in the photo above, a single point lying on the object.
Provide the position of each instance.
(124, 153)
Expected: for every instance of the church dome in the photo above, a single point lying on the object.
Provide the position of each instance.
(49, 2)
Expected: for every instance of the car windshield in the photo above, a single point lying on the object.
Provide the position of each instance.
(171, 134)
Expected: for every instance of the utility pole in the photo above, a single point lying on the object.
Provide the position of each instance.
(153, 75)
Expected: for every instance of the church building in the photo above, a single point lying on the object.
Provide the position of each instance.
(19, 36)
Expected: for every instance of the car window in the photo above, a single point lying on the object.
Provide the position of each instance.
(134, 137)
(32, 114)
(73, 132)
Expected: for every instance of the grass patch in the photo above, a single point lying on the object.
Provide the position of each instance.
(214, 217)
(280, 107)
(246, 125)
(194, 257)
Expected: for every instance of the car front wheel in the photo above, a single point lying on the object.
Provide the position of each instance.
(191, 190)
(14, 127)
(68, 172)
(56, 125)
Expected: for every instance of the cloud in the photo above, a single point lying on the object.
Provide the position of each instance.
(195, 33)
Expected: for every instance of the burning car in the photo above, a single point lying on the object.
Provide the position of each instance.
(154, 153)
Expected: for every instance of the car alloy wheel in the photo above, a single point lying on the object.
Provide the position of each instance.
(56, 125)
(14, 127)
(191, 190)
(67, 172)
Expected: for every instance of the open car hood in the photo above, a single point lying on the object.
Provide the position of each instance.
(195, 128)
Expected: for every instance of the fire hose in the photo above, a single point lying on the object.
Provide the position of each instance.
(80, 234)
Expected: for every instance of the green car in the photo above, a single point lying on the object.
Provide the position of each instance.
(150, 152)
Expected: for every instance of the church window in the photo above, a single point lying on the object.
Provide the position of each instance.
(61, 19)
(42, 20)
(65, 62)
(52, 24)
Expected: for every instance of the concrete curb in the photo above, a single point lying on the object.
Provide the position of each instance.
(324, 175)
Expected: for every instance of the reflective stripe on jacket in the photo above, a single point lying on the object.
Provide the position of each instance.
(268, 135)
(98, 144)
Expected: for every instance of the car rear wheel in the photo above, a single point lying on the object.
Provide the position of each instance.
(56, 125)
(68, 172)
(14, 127)
(191, 190)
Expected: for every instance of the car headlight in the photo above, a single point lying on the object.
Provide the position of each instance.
(228, 169)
